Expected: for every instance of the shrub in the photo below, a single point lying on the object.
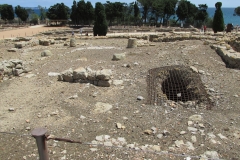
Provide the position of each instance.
(34, 19)
(209, 22)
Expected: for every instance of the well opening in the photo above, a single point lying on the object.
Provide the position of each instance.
(178, 83)
(175, 86)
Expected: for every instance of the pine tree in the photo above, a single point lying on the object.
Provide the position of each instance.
(218, 21)
(136, 12)
(73, 14)
(100, 25)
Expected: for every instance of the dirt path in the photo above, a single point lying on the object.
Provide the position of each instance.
(30, 31)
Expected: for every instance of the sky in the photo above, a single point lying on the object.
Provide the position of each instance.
(48, 3)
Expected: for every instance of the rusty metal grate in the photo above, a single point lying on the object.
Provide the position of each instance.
(178, 84)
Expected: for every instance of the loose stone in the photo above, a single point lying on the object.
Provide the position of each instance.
(119, 125)
(183, 132)
(194, 139)
(140, 98)
(148, 131)
(11, 109)
(192, 129)
(178, 143)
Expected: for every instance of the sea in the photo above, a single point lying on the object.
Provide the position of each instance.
(228, 15)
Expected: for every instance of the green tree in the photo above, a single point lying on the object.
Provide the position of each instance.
(162, 9)
(237, 10)
(34, 18)
(73, 14)
(30, 12)
(158, 10)
(114, 11)
(81, 11)
(89, 12)
(21, 13)
(209, 22)
(128, 13)
(100, 26)
(118, 10)
(6, 12)
(146, 5)
(136, 12)
(42, 12)
(186, 11)
(202, 14)
(109, 9)
(192, 12)
(182, 10)
(218, 21)
(58, 11)
(169, 8)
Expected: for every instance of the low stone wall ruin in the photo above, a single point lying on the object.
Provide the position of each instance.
(229, 56)
(13, 67)
(100, 78)
(230, 41)
(235, 45)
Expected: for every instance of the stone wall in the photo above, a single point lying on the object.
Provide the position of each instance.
(235, 45)
(226, 45)
(13, 67)
(229, 56)
(169, 35)
(86, 75)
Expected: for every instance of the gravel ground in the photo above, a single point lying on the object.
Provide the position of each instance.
(131, 129)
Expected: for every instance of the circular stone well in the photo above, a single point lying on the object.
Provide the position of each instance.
(175, 83)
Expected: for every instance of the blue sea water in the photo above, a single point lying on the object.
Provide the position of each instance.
(227, 15)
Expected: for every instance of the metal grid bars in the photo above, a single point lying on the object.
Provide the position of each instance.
(175, 83)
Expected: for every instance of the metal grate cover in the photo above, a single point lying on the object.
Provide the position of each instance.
(176, 83)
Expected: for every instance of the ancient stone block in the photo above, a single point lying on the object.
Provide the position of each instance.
(132, 43)
(104, 83)
(67, 75)
(46, 53)
(80, 73)
(20, 44)
(104, 74)
(72, 42)
(118, 56)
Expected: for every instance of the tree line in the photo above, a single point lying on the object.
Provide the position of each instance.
(7, 13)
(237, 11)
(135, 13)
(152, 12)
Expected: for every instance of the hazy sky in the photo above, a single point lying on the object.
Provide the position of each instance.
(48, 3)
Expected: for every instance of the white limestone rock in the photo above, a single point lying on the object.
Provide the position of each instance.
(46, 53)
(119, 56)
(104, 74)
(67, 75)
(80, 73)
(101, 107)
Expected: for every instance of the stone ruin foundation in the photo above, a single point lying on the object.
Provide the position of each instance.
(12, 67)
(176, 85)
(102, 78)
